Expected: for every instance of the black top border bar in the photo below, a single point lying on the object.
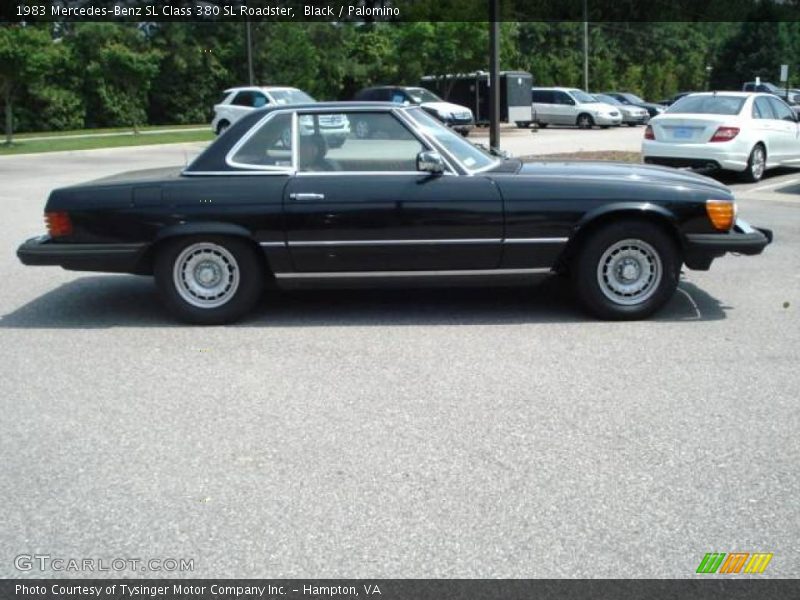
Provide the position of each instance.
(397, 10)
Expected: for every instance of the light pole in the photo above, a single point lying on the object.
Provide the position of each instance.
(585, 46)
(494, 74)
(249, 38)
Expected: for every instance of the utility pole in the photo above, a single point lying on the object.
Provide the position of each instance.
(585, 46)
(249, 38)
(494, 74)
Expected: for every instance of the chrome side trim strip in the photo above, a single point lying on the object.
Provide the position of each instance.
(548, 240)
(272, 244)
(364, 274)
(393, 242)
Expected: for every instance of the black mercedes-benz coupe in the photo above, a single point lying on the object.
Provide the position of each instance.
(269, 200)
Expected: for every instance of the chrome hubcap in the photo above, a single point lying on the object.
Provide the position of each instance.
(206, 275)
(759, 163)
(629, 272)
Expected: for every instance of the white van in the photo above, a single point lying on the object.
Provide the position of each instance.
(571, 106)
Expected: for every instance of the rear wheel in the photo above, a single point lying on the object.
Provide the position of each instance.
(585, 121)
(523, 124)
(626, 270)
(209, 280)
(756, 164)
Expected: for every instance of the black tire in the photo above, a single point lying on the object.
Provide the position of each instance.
(584, 121)
(523, 124)
(631, 124)
(648, 250)
(543, 125)
(222, 126)
(464, 132)
(246, 293)
(752, 174)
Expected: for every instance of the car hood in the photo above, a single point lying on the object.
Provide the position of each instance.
(445, 107)
(621, 172)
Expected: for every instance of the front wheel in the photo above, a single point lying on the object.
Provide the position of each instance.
(208, 280)
(585, 121)
(626, 270)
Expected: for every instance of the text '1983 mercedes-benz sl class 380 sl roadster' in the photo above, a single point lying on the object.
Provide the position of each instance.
(413, 201)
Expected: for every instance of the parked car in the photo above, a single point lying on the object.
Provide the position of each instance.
(631, 115)
(670, 101)
(455, 116)
(792, 96)
(735, 131)
(240, 101)
(570, 106)
(629, 99)
(421, 205)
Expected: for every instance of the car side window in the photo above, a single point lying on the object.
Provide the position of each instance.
(563, 98)
(781, 110)
(761, 109)
(398, 96)
(377, 142)
(267, 147)
(259, 100)
(243, 99)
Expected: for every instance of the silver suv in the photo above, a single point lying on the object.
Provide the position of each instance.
(571, 106)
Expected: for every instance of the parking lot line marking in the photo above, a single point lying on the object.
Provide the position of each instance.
(773, 185)
(691, 301)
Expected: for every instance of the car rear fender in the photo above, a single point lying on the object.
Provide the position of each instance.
(209, 228)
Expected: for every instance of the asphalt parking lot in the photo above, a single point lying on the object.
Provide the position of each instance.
(420, 433)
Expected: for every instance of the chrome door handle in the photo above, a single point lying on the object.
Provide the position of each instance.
(299, 196)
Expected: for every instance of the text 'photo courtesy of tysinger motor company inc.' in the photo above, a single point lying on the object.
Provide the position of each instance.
(399, 299)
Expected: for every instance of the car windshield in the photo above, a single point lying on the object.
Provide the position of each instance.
(634, 98)
(582, 96)
(472, 157)
(291, 97)
(708, 105)
(607, 99)
(420, 95)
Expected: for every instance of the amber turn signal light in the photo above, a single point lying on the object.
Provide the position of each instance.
(58, 224)
(722, 213)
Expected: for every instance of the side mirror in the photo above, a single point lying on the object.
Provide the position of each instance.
(430, 162)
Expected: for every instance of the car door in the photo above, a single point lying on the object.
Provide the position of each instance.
(786, 133)
(243, 102)
(764, 127)
(564, 108)
(364, 207)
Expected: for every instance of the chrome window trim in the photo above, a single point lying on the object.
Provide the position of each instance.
(251, 132)
(381, 173)
(452, 273)
(237, 173)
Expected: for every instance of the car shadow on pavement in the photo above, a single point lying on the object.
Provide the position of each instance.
(130, 301)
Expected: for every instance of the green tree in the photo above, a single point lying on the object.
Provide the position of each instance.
(25, 54)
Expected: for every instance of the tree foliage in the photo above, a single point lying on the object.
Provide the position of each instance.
(62, 76)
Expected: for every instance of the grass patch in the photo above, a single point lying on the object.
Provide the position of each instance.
(91, 143)
(609, 155)
(30, 134)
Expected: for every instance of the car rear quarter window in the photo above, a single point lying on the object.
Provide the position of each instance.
(268, 146)
(542, 96)
(708, 105)
(762, 109)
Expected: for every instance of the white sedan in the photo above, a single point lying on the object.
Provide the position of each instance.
(734, 131)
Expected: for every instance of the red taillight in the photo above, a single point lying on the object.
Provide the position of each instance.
(58, 224)
(648, 133)
(725, 134)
